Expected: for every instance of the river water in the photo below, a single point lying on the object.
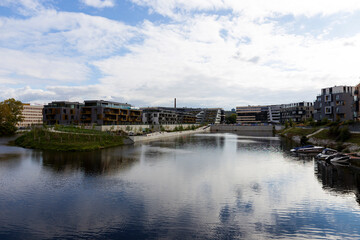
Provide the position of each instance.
(204, 186)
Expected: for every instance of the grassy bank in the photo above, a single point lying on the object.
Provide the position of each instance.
(337, 136)
(72, 140)
(294, 131)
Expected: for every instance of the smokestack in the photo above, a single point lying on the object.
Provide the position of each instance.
(175, 103)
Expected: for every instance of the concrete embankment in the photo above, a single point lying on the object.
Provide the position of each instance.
(163, 135)
(241, 128)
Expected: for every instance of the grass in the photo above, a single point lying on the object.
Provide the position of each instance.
(324, 134)
(46, 140)
(72, 129)
(294, 131)
(355, 138)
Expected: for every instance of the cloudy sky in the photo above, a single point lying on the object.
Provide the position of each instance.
(206, 53)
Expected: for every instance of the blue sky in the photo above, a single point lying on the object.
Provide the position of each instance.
(206, 53)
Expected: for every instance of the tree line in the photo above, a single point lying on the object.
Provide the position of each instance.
(10, 115)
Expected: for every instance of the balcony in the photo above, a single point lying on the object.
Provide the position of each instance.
(88, 112)
(110, 119)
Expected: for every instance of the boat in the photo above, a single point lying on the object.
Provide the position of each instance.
(339, 158)
(327, 152)
(307, 149)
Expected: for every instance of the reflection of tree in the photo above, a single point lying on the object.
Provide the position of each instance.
(96, 162)
(338, 179)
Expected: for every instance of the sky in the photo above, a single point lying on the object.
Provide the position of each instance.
(205, 53)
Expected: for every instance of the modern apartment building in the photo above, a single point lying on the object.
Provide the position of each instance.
(198, 115)
(32, 115)
(297, 112)
(91, 112)
(336, 103)
(274, 114)
(108, 113)
(62, 112)
(252, 114)
(159, 116)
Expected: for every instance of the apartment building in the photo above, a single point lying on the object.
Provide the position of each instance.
(32, 115)
(62, 112)
(102, 112)
(297, 112)
(337, 103)
(274, 114)
(91, 112)
(198, 115)
(159, 116)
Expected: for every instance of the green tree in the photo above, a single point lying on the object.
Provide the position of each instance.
(10, 115)
(230, 119)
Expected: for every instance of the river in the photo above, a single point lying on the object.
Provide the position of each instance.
(203, 186)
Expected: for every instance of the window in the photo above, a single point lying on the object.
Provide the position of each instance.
(327, 110)
(337, 97)
(327, 98)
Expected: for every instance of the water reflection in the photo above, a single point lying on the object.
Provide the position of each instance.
(106, 161)
(205, 186)
(338, 179)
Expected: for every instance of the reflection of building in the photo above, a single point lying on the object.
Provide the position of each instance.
(32, 115)
(336, 103)
(92, 112)
(108, 113)
(252, 114)
(296, 112)
(62, 112)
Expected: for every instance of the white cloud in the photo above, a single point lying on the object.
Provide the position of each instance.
(40, 66)
(64, 33)
(24, 7)
(99, 3)
(251, 8)
(203, 58)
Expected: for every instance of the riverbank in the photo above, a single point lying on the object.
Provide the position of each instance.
(72, 140)
(323, 137)
(163, 135)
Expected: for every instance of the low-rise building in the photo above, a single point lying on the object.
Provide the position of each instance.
(336, 103)
(32, 115)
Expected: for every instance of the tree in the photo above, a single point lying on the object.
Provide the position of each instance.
(230, 119)
(10, 115)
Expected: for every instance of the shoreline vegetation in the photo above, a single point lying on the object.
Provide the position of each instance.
(336, 136)
(72, 138)
(68, 139)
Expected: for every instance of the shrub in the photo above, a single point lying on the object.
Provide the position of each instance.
(344, 134)
(304, 140)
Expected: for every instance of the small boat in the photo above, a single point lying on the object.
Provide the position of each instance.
(339, 158)
(327, 152)
(308, 149)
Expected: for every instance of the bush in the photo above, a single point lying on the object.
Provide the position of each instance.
(304, 140)
(339, 133)
(344, 134)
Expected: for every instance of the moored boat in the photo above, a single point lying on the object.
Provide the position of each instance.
(308, 149)
(339, 158)
(327, 152)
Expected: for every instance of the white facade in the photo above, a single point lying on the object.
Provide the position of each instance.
(33, 115)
